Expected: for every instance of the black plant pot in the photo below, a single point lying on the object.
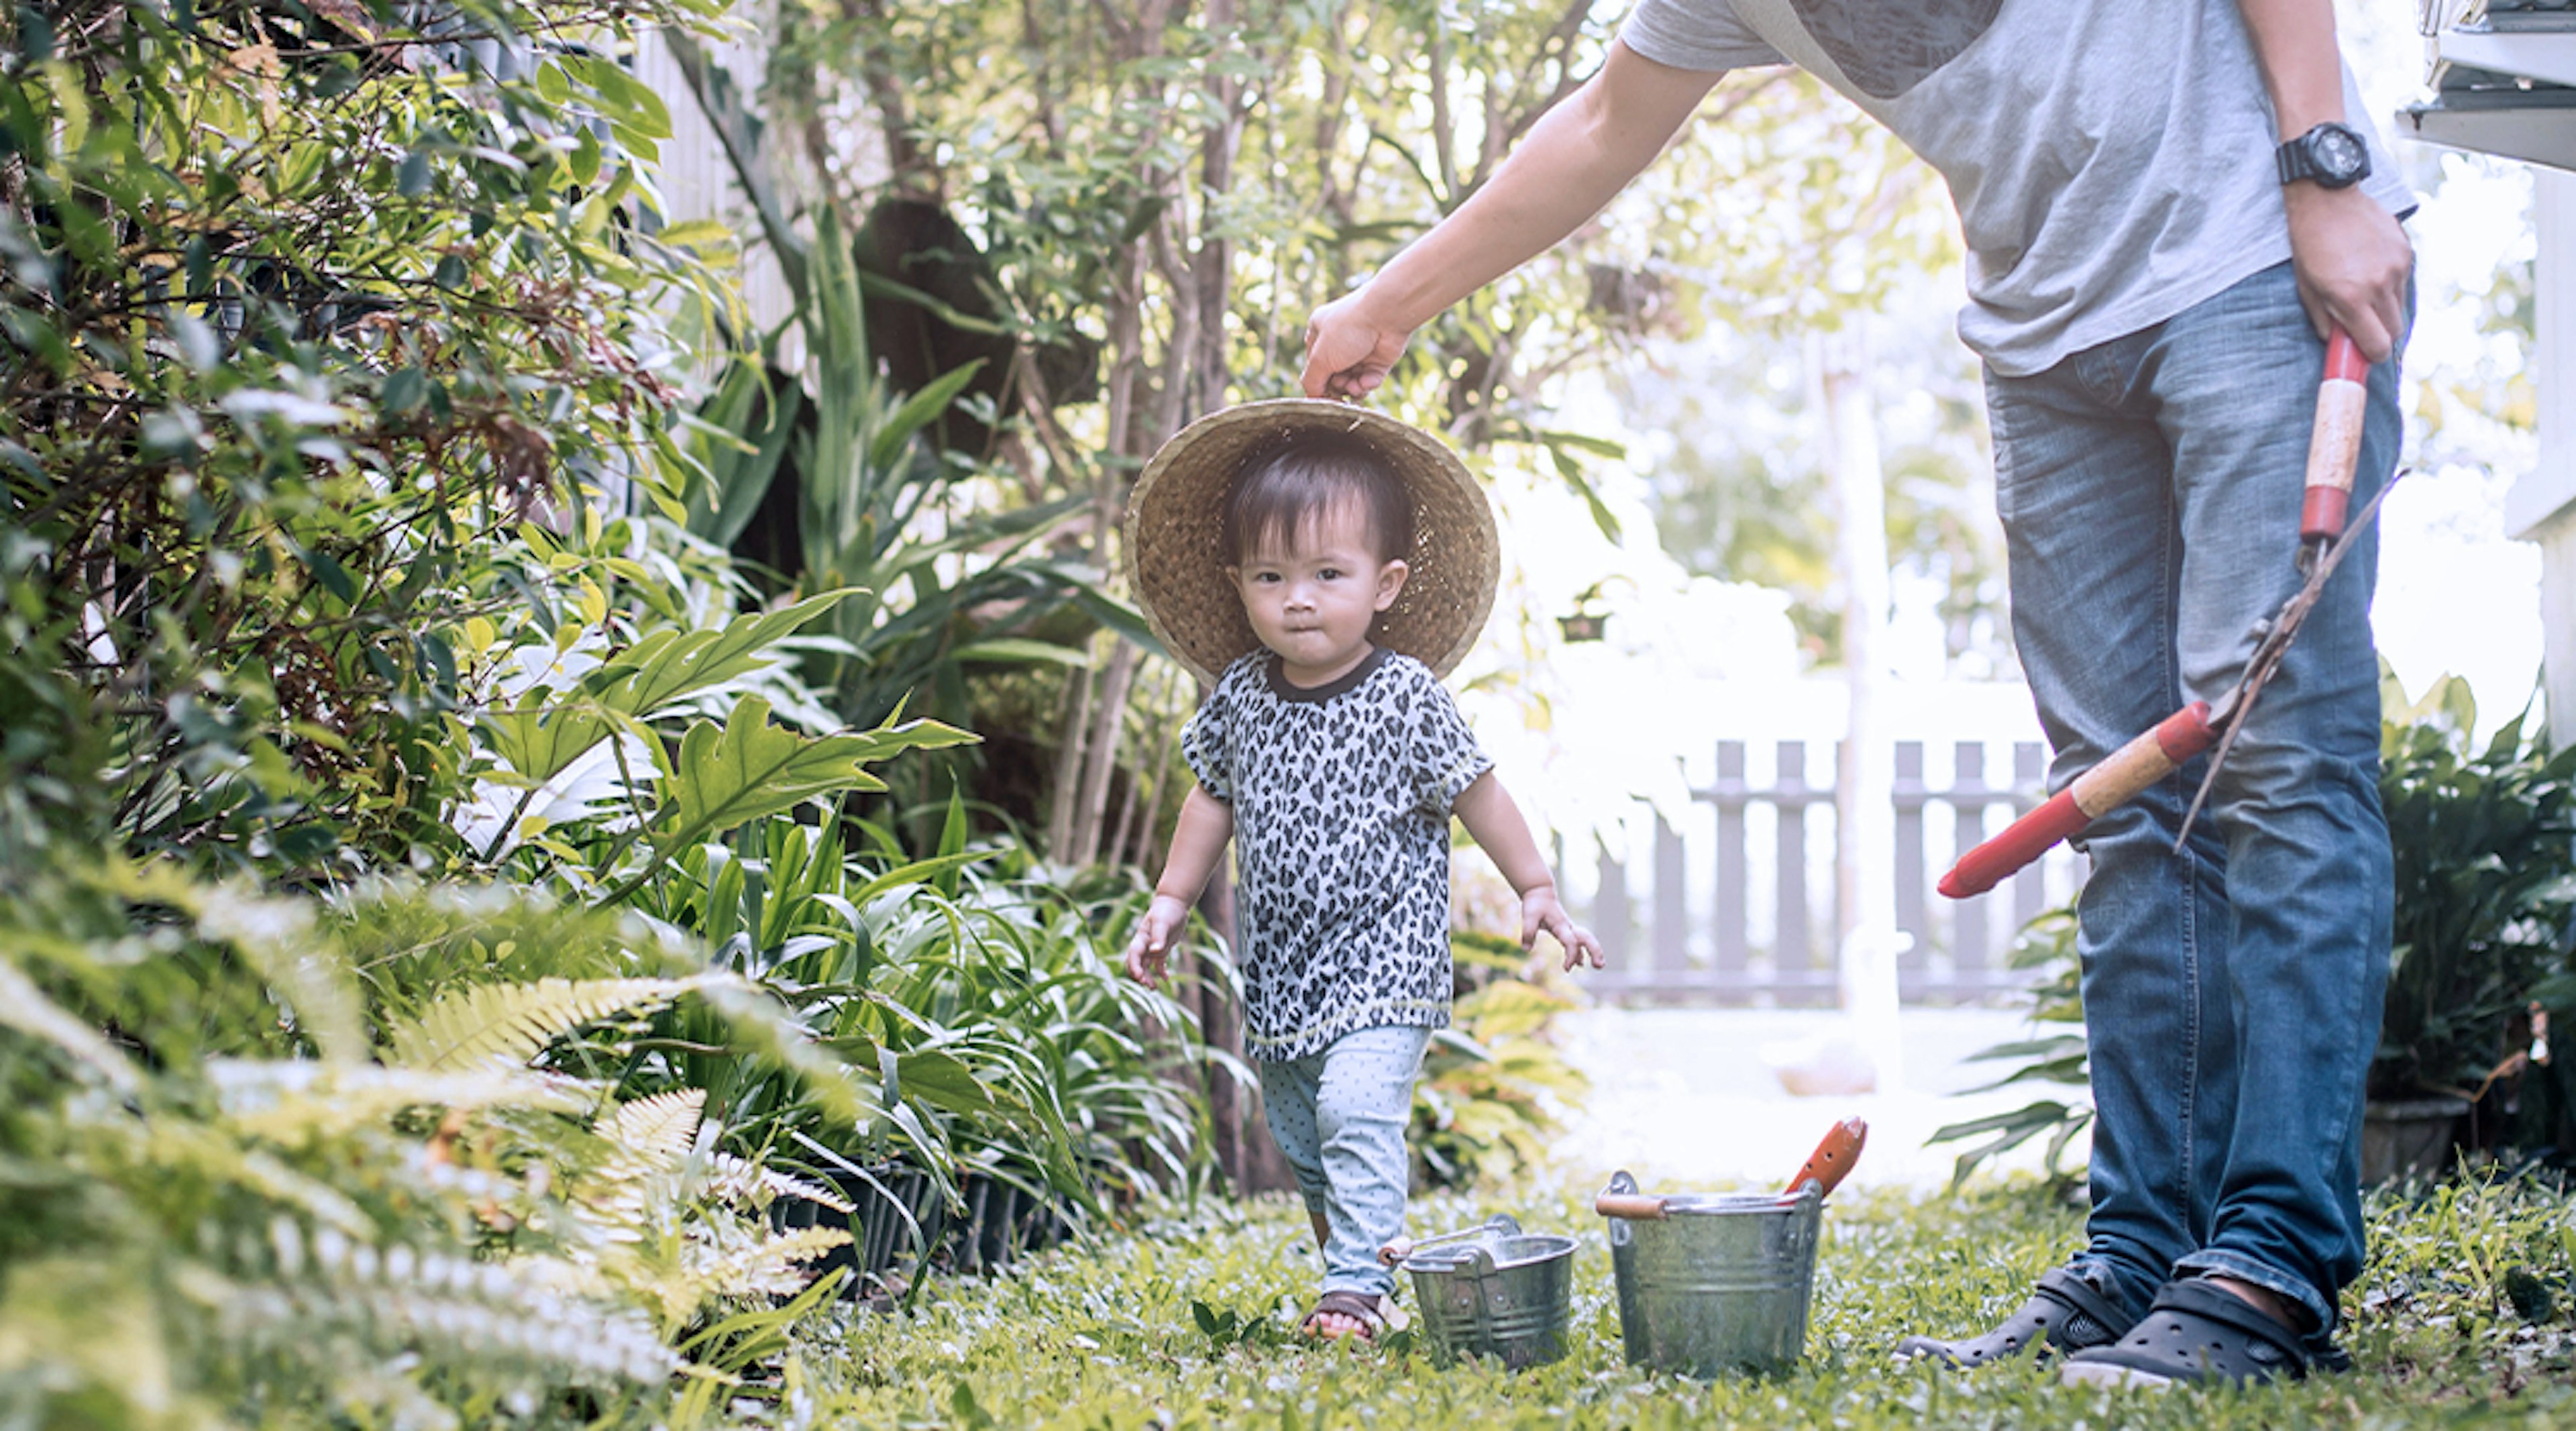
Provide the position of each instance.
(989, 1236)
(2411, 1137)
(880, 1235)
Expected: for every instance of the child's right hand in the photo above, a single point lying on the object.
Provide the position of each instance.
(1155, 934)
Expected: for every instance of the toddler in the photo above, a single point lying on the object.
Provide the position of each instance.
(1331, 755)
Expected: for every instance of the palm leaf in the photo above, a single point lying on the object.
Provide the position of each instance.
(750, 768)
(669, 664)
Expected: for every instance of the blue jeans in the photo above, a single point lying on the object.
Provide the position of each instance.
(1340, 1117)
(2150, 490)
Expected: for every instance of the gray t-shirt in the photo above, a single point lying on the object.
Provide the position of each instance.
(2111, 159)
(1341, 799)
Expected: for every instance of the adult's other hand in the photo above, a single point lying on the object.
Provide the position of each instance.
(2353, 259)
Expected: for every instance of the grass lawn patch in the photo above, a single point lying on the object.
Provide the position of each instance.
(2463, 1318)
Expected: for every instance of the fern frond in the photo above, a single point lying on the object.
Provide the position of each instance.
(442, 1306)
(25, 1008)
(748, 1184)
(508, 1025)
(661, 1130)
(293, 1100)
(186, 1146)
(637, 1185)
(770, 1267)
(762, 1025)
(277, 938)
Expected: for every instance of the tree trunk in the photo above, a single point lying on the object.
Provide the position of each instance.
(1865, 775)
(1066, 785)
(1108, 716)
(1245, 1151)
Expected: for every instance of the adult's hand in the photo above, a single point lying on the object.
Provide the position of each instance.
(1349, 351)
(2352, 258)
(1570, 163)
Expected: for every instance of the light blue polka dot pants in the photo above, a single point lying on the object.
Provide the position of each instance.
(1340, 1117)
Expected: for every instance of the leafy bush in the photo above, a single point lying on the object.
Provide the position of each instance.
(429, 1210)
(1005, 1044)
(1493, 1091)
(2485, 844)
(304, 307)
(2046, 947)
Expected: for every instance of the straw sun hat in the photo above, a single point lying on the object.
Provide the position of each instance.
(1176, 557)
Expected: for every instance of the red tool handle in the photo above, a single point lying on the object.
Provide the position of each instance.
(1833, 1158)
(2095, 793)
(2334, 445)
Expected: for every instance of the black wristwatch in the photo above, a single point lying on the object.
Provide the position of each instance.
(2330, 154)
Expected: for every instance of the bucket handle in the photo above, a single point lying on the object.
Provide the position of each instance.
(1636, 1207)
(1499, 1225)
(1622, 1200)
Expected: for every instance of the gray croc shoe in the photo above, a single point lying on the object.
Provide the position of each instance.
(2065, 1314)
(2194, 1332)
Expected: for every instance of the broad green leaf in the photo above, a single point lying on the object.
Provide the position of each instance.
(667, 664)
(917, 872)
(919, 412)
(943, 1082)
(539, 741)
(697, 233)
(751, 768)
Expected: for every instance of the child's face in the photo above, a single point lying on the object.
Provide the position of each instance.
(1311, 598)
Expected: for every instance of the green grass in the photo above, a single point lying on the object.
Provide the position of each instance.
(1108, 1336)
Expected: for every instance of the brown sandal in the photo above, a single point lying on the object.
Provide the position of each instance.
(1360, 1307)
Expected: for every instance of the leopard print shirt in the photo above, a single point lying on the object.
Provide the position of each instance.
(1341, 799)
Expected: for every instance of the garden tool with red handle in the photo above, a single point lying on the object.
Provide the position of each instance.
(2334, 446)
(1823, 1170)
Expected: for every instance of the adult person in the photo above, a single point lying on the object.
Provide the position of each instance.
(2166, 206)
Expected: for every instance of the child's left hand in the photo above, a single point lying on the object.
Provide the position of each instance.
(1540, 910)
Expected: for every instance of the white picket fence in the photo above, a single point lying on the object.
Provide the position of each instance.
(1739, 905)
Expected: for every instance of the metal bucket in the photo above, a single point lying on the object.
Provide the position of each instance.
(1505, 1294)
(1718, 1282)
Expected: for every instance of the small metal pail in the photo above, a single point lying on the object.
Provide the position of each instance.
(1504, 1294)
(1715, 1283)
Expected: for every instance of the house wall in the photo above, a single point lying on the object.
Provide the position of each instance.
(697, 180)
(2541, 508)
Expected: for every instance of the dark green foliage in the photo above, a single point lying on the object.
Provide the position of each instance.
(2046, 948)
(2485, 842)
(297, 314)
(984, 1003)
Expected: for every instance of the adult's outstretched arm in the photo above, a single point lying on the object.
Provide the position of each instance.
(1574, 160)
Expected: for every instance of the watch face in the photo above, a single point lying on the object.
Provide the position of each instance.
(2338, 153)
